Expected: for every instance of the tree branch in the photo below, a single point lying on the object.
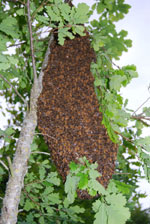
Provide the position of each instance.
(141, 105)
(46, 135)
(38, 152)
(142, 119)
(16, 1)
(15, 45)
(31, 40)
(16, 91)
(4, 165)
(15, 183)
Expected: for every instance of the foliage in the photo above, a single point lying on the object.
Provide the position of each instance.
(67, 19)
(42, 180)
(43, 198)
(110, 206)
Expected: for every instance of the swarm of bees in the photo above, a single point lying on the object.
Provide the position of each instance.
(68, 111)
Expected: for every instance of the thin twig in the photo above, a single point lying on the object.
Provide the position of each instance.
(15, 45)
(16, 91)
(38, 152)
(121, 173)
(141, 105)
(142, 119)
(15, 1)
(10, 166)
(34, 181)
(27, 194)
(132, 141)
(31, 40)
(127, 139)
(139, 117)
(4, 165)
(46, 135)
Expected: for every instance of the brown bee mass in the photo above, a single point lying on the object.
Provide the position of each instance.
(68, 111)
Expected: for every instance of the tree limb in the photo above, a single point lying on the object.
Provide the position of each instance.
(23, 150)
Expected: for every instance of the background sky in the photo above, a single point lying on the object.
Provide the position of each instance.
(136, 22)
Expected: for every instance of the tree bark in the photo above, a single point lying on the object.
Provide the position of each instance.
(19, 166)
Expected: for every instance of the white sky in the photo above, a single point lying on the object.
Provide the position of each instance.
(136, 22)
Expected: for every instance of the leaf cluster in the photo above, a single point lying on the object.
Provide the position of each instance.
(65, 20)
(110, 206)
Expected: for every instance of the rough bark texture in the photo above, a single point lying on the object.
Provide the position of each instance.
(68, 111)
(22, 154)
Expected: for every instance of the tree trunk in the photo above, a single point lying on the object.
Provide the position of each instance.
(19, 167)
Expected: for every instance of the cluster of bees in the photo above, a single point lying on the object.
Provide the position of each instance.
(68, 111)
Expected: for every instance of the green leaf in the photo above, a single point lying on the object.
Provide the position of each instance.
(132, 73)
(71, 186)
(3, 42)
(43, 19)
(4, 66)
(96, 186)
(146, 110)
(65, 11)
(112, 187)
(121, 214)
(53, 178)
(81, 15)
(101, 215)
(100, 7)
(97, 82)
(73, 166)
(3, 58)
(83, 181)
(9, 26)
(53, 16)
(93, 174)
(116, 82)
(66, 203)
(12, 60)
(41, 220)
(76, 209)
(117, 200)
(96, 205)
(116, 210)
(54, 198)
(28, 205)
(42, 173)
(123, 187)
(78, 29)
(9, 131)
(20, 12)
